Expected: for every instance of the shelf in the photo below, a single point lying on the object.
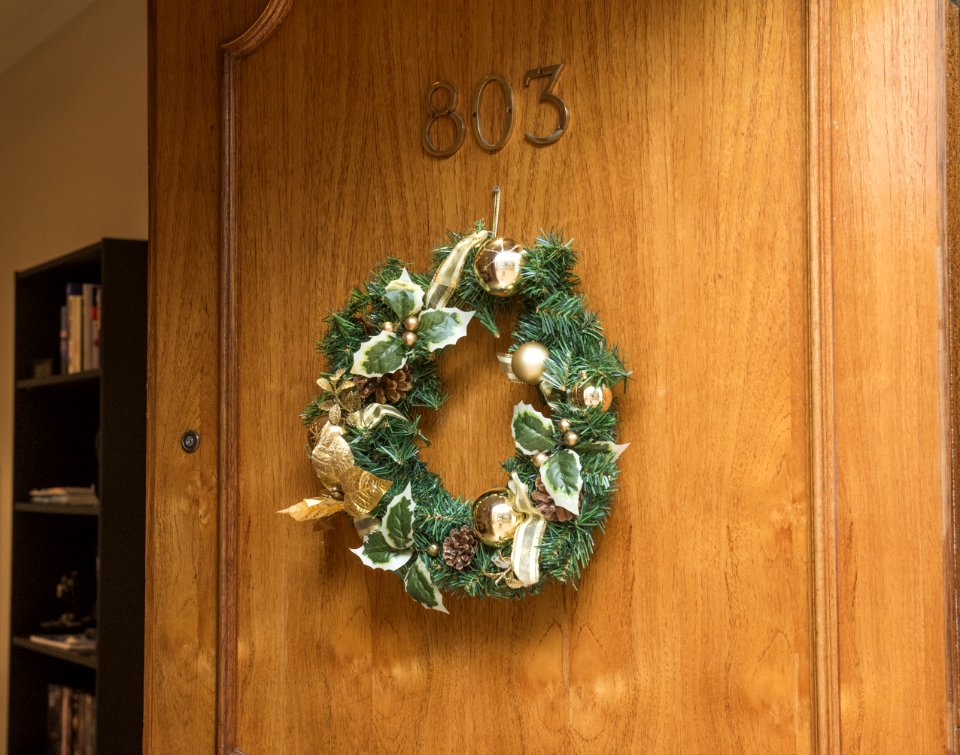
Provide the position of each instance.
(77, 657)
(74, 509)
(87, 377)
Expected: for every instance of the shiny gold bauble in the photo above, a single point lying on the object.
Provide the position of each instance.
(593, 396)
(412, 322)
(409, 338)
(494, 518)
(528, 362)
(388, 326)
(564, 425)
(433, 550)
(497, 266)
(538, 459)
(571, 438)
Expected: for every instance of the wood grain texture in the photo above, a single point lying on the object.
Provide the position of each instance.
(755, 195)
(332, 178)
(891, 429)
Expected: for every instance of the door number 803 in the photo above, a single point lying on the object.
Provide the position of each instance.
(449, 110)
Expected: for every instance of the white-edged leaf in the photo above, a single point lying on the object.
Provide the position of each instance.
(377, 554)
(419, 585)
(379, 355)
(443, 326)
(532, 432)
(397, 526)
(603, 446)
(403, 296)
(561, 477)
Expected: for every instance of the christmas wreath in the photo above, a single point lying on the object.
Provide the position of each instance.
(364, 435)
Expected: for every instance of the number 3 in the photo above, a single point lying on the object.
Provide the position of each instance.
(547, 95)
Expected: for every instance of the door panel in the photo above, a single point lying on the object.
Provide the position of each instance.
(724, 610)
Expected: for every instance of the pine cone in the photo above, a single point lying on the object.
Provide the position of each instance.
(459, 547)
(387, 389)
(546, 505)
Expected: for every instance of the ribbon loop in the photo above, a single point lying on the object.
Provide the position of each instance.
(525, 554)
(447, 277)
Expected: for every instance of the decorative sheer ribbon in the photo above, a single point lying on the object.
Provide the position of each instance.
(447, 277)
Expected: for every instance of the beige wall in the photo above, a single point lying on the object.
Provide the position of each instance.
(73, 168)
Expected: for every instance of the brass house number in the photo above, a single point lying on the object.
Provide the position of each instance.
(449, 110)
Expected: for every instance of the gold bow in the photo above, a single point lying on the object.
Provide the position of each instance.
(347, 487)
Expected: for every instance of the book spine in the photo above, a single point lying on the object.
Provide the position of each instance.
(87, 326)
(64, 341)
(90, 728)
(75, 326)
(95, 350)
(54, 696)
(65, 722)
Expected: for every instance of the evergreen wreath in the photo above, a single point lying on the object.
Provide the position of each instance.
(364, 435)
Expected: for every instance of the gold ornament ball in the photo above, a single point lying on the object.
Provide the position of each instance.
(594, 396)
(528, 362)
(412, 322)
(538, 459)
(388, 326)
(494, 518)
(564, 425)
(571, 438)
(409, 338)
(497, 266)
(433, 550)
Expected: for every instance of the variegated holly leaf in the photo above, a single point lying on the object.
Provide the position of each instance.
(419, 584)
(443, 326)
(397, 526)
(532, 432)
(561, 478)
(379, 355)
(403, 296)
(377, 553)
(603, 446)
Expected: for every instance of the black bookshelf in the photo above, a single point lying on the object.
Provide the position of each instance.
(80, 429)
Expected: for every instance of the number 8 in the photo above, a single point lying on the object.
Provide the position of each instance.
(435, 115)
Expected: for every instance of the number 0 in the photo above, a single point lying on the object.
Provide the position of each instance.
(508, 99)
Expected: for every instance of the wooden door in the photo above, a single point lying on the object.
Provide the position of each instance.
(756, 194)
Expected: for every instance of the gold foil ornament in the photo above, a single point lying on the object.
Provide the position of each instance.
(494, 517)
(347, 487)
(529, 361)
(497, 266)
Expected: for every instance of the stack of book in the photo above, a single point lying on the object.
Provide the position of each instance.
(80, 328)
(79, 496)
(71, 721)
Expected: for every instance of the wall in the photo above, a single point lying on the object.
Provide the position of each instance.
(73, 168)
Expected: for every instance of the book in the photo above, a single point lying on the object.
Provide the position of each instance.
(71, 721)
(95, 330)
(87, 334)
(54, 702)
(75, 327)
(75, 495)
(64, 342)
(76, 642)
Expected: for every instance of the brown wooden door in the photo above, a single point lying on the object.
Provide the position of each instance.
(755, 191)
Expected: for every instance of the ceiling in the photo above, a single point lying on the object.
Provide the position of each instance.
(24, 24)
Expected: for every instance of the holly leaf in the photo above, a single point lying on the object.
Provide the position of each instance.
(419, 585)
(561, 478)
(443, 326)
(403, 296)
(604, 446)
(397, 526)
(377, 553)
(532, 432)
(379, 355)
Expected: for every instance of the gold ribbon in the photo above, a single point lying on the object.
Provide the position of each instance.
(347, 487)
(447, 277)
(525, 554)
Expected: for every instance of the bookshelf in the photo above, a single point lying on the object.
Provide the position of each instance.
(79, 429)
